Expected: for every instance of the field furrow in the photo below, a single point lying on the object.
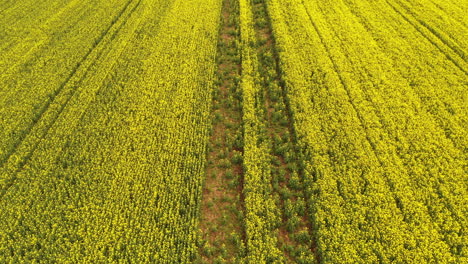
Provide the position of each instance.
(453, 53)
(362, 69)
(120, 116)
(446, 28)
(56, 103)
(19, 121)
(222, 206)
(296, 237)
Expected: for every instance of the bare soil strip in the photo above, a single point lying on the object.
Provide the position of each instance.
(221, 225)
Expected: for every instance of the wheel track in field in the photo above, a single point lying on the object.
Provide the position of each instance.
(340, 77)
(61, 93)
(345, 87)
(351, 102)
(267, 44)
(41, 39)
(223, 185)
(389, 182)
(458, 57)
(353, 105)
(420, 97)
(397, 199)
(447, 12)
(447, 40)
(57, 92)
(432, 36)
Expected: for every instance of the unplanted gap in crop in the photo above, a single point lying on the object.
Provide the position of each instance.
(221, 225)
(296, 236)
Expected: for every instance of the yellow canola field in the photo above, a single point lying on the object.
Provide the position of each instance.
(110, 168)
(378, 90)
(354, 121)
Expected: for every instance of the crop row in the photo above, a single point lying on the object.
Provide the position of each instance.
(261, 212)
(117, 163)
(37, 70)
(379, 163)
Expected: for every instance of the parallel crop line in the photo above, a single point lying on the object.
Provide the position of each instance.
(361, 119)
(58, 93)
(437, 4)
(446, 40)
(459, 64)
(343, 83)
(391, 186)
(291, 127)
(420, 97)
